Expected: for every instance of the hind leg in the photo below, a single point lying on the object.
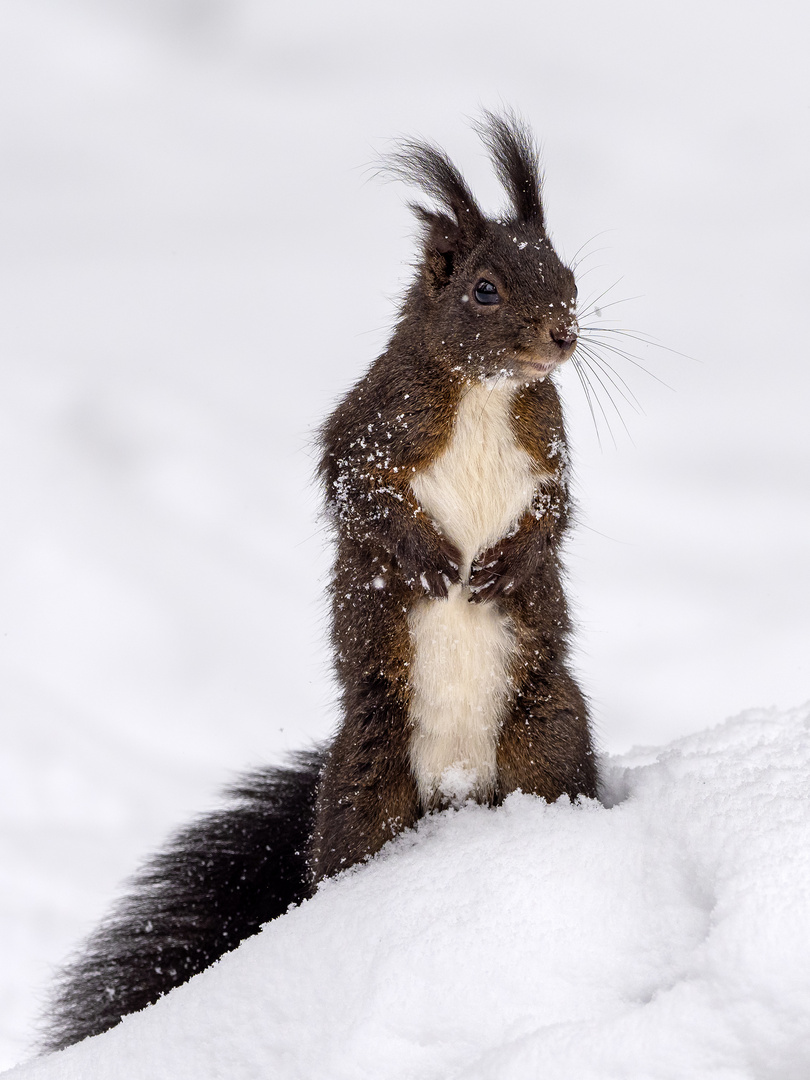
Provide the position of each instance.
(545, 746)
(367, 793)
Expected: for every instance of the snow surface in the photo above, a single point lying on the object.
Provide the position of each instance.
(666, 934)
(195, 263)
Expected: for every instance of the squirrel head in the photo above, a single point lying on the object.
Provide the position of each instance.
(493, 295)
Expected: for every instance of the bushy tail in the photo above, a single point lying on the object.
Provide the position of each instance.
(214, 884)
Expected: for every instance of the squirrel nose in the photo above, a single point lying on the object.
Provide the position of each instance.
(565, 336)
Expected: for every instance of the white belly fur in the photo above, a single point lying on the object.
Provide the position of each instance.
(463, 653)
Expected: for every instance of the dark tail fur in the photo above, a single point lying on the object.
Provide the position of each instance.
(216, 883)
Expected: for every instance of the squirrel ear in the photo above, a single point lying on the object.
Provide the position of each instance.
(428, 167)
(442, 244)
(517, 162)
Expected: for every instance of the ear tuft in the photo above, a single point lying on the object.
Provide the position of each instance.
(517, 162)
(428, 167)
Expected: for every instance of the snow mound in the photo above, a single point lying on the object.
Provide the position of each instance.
(665, 933)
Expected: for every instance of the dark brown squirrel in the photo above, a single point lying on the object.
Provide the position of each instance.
(445, 471)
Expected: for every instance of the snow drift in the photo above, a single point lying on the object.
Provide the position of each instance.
(665, 933)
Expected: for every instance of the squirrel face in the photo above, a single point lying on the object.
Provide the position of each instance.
(493, 296)
(507, 308)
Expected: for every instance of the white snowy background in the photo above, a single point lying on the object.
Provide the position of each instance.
(195, 261)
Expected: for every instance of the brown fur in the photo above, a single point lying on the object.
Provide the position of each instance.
(394, 423)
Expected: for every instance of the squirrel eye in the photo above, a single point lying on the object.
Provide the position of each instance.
(486, 293)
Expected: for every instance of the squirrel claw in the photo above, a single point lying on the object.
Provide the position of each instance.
(434, 582)
(491, 574)
(430, 569)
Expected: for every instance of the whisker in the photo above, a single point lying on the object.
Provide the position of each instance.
(604, 307)
(644, 339)
(588, 255)
(615, 378)
(596, 236)
(587, 393)
(499, 379)
(589, 304)
(590, 270)
(616, 408)
(631, 358)
(471, 384)
(600, 406)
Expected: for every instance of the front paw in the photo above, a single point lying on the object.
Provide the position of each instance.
(498, 571)
(430, 568)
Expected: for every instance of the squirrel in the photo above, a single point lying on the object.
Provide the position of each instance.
(445, 472)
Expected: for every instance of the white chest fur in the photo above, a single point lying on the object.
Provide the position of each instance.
(463, 653)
